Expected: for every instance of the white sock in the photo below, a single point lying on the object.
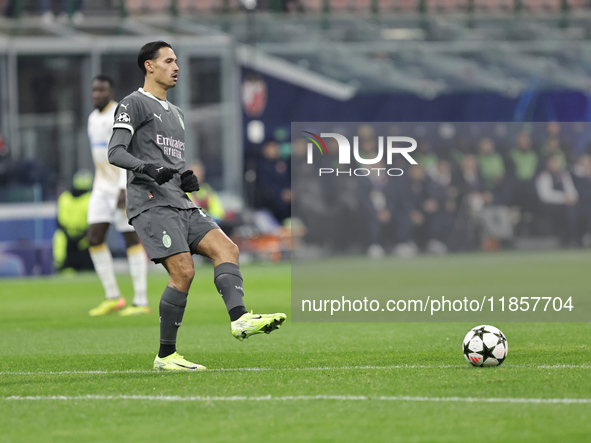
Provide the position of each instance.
(138, 268)
(103, 265)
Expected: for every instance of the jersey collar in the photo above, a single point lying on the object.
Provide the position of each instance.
(106, 108)
(147, 94)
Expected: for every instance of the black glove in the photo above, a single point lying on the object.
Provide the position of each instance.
(161, 174)
(189, 182)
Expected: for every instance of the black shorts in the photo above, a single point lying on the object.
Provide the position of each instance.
(166, 231)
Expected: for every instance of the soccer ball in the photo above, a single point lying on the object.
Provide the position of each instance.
(485, 345)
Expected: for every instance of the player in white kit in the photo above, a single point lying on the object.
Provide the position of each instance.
(107, 206)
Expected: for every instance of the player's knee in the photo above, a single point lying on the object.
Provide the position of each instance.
(96, 233)
(94, 239)
(231, 252)
(185, 273)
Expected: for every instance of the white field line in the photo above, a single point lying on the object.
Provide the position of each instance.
(321, 368)
(294, 398)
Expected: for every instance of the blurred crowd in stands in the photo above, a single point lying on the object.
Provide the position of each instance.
(468, 193)
(47, 8)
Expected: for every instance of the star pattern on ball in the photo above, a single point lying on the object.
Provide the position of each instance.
(487, 352)
(501, 337)
(480, 332)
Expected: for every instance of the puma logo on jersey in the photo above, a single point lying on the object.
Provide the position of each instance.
(124, 106)
(159, 117)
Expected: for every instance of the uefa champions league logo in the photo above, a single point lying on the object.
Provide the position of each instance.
(123, 118)
(387, 146)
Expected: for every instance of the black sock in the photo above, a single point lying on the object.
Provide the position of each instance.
(172, 307)
(166, 350)
(237, 312)
(228, 281)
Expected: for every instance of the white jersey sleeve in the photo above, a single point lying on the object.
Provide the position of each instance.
(108, 178)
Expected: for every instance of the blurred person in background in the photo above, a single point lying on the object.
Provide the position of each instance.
(442, 176)
(524, 162)
(496, 217)
(559, 197)
(338, 193)
(461, 147)
(582, 180)
(552, 147)
(308, 203)
(369, 223)
(374, 216)
(418, 209)
(492, 169)
(470, 185)
(425, 156)
(273, 182)
(107, 207)
(554, 144)
(471, 199)
(70, 245)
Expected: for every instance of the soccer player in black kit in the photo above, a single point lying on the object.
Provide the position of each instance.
(149, 141)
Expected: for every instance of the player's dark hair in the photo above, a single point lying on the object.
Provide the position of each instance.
(150, 51)
(104, 78)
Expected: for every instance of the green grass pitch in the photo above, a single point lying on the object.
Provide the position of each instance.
(66, 377)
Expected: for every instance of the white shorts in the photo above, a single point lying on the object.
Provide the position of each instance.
(102, 208)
